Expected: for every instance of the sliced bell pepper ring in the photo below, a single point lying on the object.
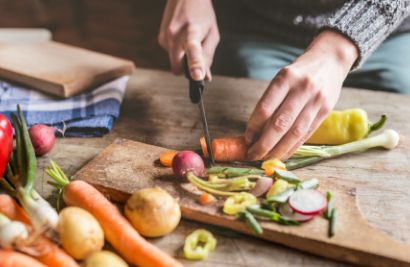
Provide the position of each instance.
(238, 203)
(198, 244)
(270, 165)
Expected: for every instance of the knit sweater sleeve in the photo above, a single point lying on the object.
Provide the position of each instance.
(368, 22)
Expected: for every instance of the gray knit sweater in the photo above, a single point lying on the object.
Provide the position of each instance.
(366, 22)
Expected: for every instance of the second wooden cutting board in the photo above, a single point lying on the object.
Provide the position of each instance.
(126, 166)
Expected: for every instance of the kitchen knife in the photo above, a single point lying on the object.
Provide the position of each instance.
(196, 89)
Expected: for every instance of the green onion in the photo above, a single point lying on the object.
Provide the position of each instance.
(332, 223)
(330, 205)
(282, 197)
(307, 155)
(312, 183)
(271, 215)
(288, 176)
(250, 221)
(235, 172)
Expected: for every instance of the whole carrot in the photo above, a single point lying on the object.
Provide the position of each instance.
(10, 258)
(117, 230)
(46, 251)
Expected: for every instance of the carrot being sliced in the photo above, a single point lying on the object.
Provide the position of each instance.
(167, 157)
(45, 250)
(118, 231)
(10, 258)
(226, 149)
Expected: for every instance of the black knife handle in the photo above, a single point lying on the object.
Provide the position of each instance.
(195, 87)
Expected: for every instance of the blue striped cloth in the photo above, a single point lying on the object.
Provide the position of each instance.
(86, 115)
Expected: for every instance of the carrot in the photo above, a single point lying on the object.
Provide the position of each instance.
(118, 231)
(10, 208)
(226, 149)
(46, 251)
(206, 198)
(167, 157)
(10, 258)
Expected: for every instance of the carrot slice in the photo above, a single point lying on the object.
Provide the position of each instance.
(270, 165)
(167, 157)
(202, 141)
(206, 198)
(226, 149)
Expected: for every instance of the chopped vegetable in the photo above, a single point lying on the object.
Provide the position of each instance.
(330, 205)
(80, 233)
(288, 176)
(187, 161)
(10, 258)
(118, 231)
(226, 149)
(307, 202)
(153, 212)
(198, 244)
(341, 127)
(282, 197)
(238, 202)
(10, 208)
(332, 223)
(6, 141)
(271, 165)
(278, 187)
(104, 258)
(231, 172)
(312, 183)
(42, 138)
(250, 221)
(167, 157)
(263, 184)
(289, 213)
(307, 155)
(206, 199)
(12, 233)
(271, 215)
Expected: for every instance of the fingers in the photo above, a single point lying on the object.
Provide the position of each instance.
(209, 46)
(270, 101)
(279, 124)
(195, 53)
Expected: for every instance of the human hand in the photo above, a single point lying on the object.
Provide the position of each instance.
(189, 26)
(299, 98)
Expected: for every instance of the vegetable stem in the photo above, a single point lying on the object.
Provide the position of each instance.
(378, 124)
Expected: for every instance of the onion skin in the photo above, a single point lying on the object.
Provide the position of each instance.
(187, 161)
(262, 186)
(43, 138)
(153, 212)
(80, 233)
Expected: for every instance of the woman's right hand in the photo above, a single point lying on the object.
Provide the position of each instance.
(189, 26)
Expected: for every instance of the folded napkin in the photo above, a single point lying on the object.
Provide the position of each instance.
(86, 115)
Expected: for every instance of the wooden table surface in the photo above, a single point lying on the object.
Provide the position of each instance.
(156, 110)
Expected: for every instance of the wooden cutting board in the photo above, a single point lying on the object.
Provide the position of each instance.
(126, 166)
(59, 69)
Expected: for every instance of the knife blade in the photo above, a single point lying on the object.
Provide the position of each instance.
(196, 89)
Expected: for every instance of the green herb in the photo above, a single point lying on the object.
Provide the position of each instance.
(250, 221)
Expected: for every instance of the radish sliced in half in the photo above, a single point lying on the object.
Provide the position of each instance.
(308, 202)
(289, 213)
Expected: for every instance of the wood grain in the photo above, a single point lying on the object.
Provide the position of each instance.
(59, 69)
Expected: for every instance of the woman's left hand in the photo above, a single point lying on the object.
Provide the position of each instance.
(299, 98)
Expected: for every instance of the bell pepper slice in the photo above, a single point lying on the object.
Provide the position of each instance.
(238, 203)
(198, 244)
(271, 165)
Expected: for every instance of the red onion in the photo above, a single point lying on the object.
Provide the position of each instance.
(43, 138)
(262, 186)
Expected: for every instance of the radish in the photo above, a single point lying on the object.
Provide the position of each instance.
(308, 202)
(262, 186)
(187, 161)
(289, 213)
(42, 138)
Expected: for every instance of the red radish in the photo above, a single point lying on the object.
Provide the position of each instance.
(187, 161)
(262, 186)
(287, 212)
(308, 202)
(43, 138)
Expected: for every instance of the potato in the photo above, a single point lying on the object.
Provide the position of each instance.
(153, 212)
(80, 233)
(104, 258)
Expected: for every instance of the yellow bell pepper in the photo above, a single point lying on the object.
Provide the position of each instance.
(270, 165)
(238, 203)
(198, 244)
(278, 187)
(341, 127)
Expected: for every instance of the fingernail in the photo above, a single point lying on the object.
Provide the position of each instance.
(197, 74)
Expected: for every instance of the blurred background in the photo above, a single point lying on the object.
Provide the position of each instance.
(126, 28)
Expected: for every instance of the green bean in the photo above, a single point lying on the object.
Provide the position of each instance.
(330, 205)
(251, 222)
(332, 223)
